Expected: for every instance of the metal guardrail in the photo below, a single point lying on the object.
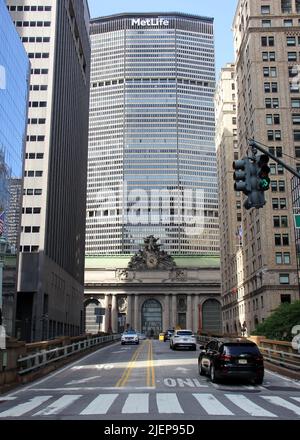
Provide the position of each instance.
(46, 357)
(284, 359)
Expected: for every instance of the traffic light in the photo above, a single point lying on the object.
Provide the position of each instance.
(242, 175)
(263, 170)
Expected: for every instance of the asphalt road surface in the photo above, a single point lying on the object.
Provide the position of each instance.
(148, 382)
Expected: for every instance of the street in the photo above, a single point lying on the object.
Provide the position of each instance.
(148, 382)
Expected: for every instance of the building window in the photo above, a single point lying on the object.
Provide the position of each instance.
(277, 240)
(276, 222)
(295, 103)
(281, 186)
(266, 23)
(285, 298)
(287, 23)
(282, 203)
(287, 258)
(292, 56)
(265, 9)
(286, 6)
(284, 278)
(296, 135)
(296, 119)
(278, 258)
(285, 240)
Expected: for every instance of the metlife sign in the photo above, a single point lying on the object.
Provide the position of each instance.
(147, 22)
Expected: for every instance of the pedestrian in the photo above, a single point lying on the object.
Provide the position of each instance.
(151, 333)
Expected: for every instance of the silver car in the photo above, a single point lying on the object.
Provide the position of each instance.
(141, 336)
(183, 338)
(130, 337)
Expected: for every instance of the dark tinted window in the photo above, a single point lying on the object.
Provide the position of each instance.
(184, 333)
(237, 349)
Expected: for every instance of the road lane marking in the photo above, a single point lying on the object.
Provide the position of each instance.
(58, 406)
(23, 408)
(248, 406)
(168, 403)
(212, 406)
(136, 404)
(100, 405)
(94, 367)
(296, 398)
(125, 376)
(88, 379)
(282, 402)
(150, 366)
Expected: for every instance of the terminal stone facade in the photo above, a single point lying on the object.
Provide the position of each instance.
(152, 291)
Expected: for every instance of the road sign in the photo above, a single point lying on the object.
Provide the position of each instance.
(99, 319)
(297, 221)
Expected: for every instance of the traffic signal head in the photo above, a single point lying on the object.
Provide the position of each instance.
(242, 175)
(263, 170)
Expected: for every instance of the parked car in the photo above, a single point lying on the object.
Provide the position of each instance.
(141, 336)
(231, 358)
(183, 338)
(130, 337)
(168, 334)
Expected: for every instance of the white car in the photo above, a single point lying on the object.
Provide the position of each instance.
(130, 337)
(183, 338)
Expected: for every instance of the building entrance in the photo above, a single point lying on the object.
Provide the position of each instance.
(151, 317)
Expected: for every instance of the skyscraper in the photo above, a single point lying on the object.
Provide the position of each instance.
(51, 274)
(267, 37)
(14, 84)
(152, 160)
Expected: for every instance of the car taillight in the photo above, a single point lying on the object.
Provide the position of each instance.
(225, 357)
(259, 359)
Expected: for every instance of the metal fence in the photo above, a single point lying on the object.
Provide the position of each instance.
(46, 357)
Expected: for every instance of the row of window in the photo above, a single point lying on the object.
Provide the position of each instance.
(37, 104)
(39, 71)
(34, 155)
(35, 39)
(38, 55)
(30, 229)
(33, 23)
(29, 248)
(32, 192)
(35, 121)
(30, 8)
(38, 88)
(31, 210)
(33, 174)
(35, 138)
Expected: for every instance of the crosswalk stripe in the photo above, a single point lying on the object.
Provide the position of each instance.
(23, 408)
(296, 398)
(58, 405)
(282, 402)
(100, 405)
(136, 404)
(248, 406)
(212, 406)
(168, 403)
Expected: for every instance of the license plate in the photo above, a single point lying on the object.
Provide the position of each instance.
(185, 339)
(242, 361)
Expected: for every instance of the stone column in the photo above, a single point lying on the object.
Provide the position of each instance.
(106, 317)
(166, 315)
(174, 310)
(129, 315)
(189, 317)
(195, 314)
(114, 314)
(136, 323)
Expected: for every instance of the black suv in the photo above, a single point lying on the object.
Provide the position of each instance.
(231, 358)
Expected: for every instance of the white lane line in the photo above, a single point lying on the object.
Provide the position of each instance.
(85, 388)
(296, 398)
(23, 408)
(136, 404)
(59, 371)
(58, 405)
(168, 403)
(248, 406)
(287, 379)
(88, 379)
(282, 402)
(7, 398)
(212, 406)
(100, 405)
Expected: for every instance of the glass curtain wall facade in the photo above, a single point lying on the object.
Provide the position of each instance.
(152, 161)
(14, 77)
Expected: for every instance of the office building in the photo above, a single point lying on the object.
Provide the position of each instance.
(55, 35)
(14, 85)
(267, 37)
(152, 161)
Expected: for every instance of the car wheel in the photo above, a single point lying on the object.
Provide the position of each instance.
(122, 343)
(200, 368)
(212, 374)
(194, 348)
(259, 381)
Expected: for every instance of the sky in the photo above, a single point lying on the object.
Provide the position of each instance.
(222, 10)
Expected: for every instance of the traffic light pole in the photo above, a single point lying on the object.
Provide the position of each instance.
(253, 144)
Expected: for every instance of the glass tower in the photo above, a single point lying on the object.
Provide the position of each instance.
(152, 160)
(14, 77)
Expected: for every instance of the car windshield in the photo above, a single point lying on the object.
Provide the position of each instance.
(237, 349)
(130, 332)
(184, 333)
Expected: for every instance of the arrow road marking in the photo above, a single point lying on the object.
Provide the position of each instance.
(184, 370)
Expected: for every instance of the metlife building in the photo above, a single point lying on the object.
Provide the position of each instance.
(152, 160)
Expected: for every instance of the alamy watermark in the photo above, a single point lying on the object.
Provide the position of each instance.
(296, 339)
(153, 206)
(2, 78)
(2, 337)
